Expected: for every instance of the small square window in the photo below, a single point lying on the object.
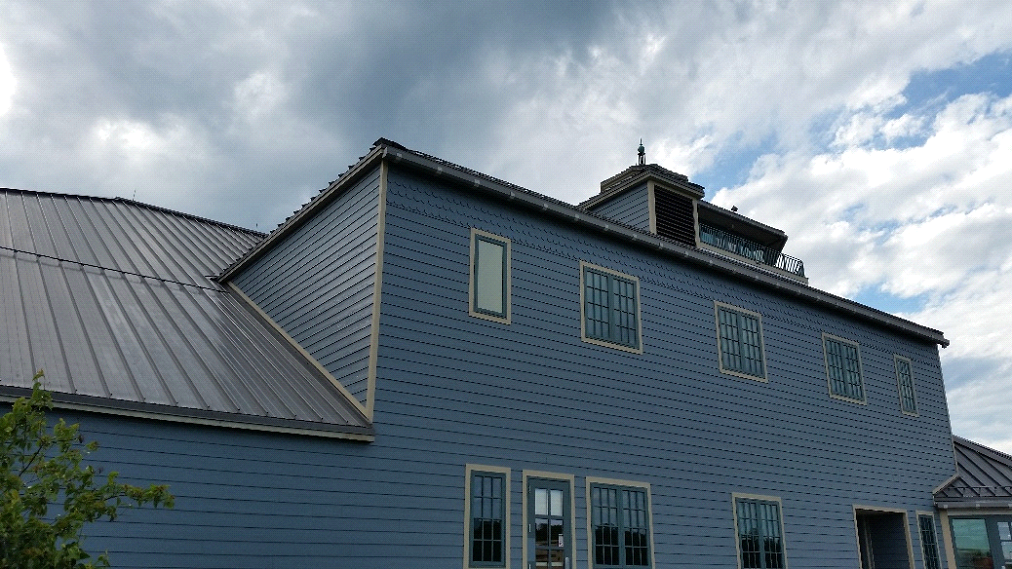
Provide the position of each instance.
(843, 368)
(740, 342)
(905, 385)
(929, 543)
(490, 277)
(760, 533)
(610, 308)
(620, 525)
(487, 519)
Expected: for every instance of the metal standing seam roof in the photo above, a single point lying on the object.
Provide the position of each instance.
(984, 477)
(116, 301)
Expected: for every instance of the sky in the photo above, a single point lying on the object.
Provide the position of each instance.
(878, 135)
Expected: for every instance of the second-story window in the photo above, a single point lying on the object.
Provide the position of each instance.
(490, 277)
(905, 384)
(610, 306)
(740, 342)
(843, 368)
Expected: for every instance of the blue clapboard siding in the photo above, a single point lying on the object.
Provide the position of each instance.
(453, 389)
(631, 208)
(319, 283)
(533, 395)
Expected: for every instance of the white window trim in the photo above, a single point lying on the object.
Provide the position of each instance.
(735, 496)
(590, 481)
(913, 384)
(583, 316)
(860, 369)
(507, 302)
(469, 469)
(717, 305)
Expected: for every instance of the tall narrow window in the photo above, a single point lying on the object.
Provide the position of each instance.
(490, 276)
(740, 342)
(620, 526)
(610, 308)
(929, 544)
(843, 368)
(487, 519)
(759, 529)
(905, 384)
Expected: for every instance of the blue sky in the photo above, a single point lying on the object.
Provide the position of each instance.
(876, 134)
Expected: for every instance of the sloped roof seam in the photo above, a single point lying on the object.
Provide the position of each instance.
(120, 271)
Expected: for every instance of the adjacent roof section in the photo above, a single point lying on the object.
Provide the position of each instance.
(113, 300)
(984, 478)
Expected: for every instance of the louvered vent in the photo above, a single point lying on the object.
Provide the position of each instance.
(674, 217)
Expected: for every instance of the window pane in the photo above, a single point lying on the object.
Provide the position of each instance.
(971, 544)
(610, 308)
(488, 519)
(844, 369)
(740, 342)
(490, 288)
(905, 382)
(928, 543)
(620, 526)
(541, 501)
(759, 536)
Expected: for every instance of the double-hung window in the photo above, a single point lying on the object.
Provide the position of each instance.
(929, 544)
(619, 525)
(610, 308)
(759, 529)
(843, 368)
(905, 385)
(490, 277)
(486, 524)
(740, 342)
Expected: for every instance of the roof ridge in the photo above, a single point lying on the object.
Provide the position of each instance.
(987, 451)
(138, 204)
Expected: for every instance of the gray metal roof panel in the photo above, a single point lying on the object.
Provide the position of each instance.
(984, 475)
(149, 333)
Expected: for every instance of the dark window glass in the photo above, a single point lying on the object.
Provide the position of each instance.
(928, 543)
(488, 520)
(610, 308)
(741, 344)
(905, 383)
(760, 542)
(621, 526)
(843, 364)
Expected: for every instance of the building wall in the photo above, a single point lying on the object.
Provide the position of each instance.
(631, 208)
(529, 396)
(318, 284)
(532, 395)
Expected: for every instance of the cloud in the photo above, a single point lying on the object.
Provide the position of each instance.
(7, 83)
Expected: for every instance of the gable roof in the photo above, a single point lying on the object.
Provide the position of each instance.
(116, 301)
(984, 477)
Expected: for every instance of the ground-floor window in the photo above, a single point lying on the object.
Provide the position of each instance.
(760, 531)
(929, 544)
(620, 525)
(982, 542)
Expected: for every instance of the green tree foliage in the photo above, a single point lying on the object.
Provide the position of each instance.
(47, 495)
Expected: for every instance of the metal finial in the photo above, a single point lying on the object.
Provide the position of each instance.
(642, 153)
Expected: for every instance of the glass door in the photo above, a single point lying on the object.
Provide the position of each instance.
(549, 532)
(1002, 546)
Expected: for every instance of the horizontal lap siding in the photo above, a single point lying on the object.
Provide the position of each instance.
(532, 395)
(631, 208)
(318, 283)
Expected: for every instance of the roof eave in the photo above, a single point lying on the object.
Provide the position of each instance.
(573, 214)
(197, 416)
